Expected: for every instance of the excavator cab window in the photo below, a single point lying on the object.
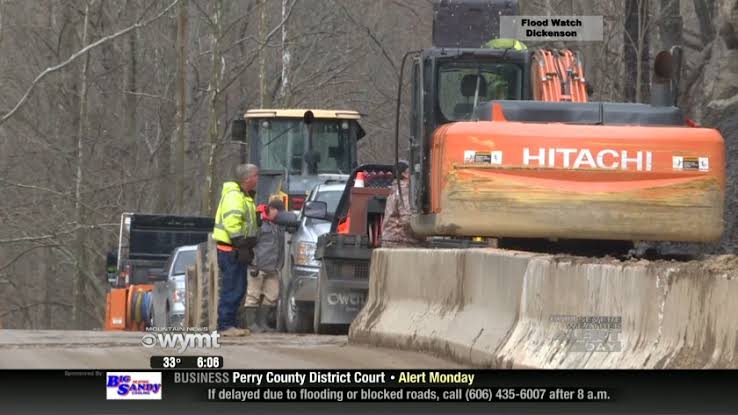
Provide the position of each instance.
(462, 86)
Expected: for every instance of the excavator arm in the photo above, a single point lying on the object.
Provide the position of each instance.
(557, 75)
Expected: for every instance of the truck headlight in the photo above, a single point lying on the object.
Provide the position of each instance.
(305, 254)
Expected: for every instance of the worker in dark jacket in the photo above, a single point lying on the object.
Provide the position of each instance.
(235, 234)
(263, 285)
(396, 230)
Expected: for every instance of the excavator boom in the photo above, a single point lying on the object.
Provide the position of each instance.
(557, 76)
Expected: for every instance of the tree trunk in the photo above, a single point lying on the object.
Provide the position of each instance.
(50, 269)
(2, 4)
(588, 50)
(262, 54)
(130, 119)
(643, 74)
(705, 10)
(216, 78)
(80, 235)
(243, 88)
(670, 28)
(165, 148)
(181, 102)
(636, 51)
(284, 87)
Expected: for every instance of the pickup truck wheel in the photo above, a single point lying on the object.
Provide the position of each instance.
(297, 315)
(317, 326)
(281, 316)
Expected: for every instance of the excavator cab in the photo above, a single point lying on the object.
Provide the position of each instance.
(464, 86)
(450, 85)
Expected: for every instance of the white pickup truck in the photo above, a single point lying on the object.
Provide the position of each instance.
(169, 294)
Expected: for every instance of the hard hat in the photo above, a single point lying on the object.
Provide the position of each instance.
(506, 44)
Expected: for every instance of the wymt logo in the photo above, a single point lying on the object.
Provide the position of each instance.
(133, 385)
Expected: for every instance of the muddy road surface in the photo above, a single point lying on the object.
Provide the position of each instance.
(46, 349)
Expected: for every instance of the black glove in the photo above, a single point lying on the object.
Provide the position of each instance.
(245, 255)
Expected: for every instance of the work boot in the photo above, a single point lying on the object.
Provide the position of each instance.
(251, 319)
(234, 332)
(263, 318)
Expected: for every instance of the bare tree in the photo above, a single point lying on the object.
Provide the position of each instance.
(217, 68)
(636, 50)
(705, 10)
(182, 39)
(75, 56)
(670, 28)
(262, 53)
(285, 77)
(80, 234)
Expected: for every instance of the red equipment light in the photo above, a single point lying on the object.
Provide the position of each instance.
(296, 202)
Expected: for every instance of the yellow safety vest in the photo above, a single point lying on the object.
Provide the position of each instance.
(236, 215)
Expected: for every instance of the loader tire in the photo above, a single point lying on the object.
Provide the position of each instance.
(201, 287)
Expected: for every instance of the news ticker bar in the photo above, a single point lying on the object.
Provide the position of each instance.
(375, 386)
(325, 390)
(365, 393)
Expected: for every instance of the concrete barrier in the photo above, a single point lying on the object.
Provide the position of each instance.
(496, 308)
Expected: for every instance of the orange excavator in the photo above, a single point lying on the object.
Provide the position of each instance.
(505, 143)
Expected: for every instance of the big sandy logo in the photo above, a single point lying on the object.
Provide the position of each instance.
(133, 385)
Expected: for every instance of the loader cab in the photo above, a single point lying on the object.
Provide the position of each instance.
(449, 85)
(297, 149)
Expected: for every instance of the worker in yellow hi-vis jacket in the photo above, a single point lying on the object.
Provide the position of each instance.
(235, 234)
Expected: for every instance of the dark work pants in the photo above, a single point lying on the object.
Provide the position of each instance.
(232, 288)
